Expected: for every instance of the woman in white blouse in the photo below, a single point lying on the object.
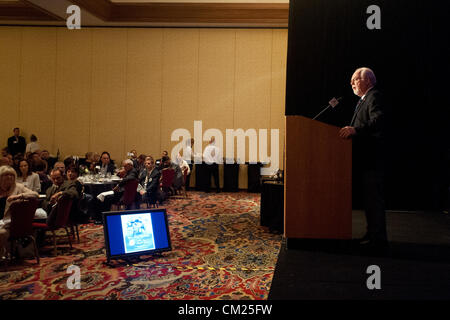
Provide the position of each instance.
(33, 146)
(27, 178)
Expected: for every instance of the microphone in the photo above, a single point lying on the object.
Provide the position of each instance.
(332, 103)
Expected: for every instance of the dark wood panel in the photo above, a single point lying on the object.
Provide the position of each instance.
(246, 14)
(13, 10)
(100, 8)
(44, 11)
(261, 13)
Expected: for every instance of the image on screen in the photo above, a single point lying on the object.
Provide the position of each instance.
(136, 232)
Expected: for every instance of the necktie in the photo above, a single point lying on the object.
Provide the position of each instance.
(358, 104)
(356, 111)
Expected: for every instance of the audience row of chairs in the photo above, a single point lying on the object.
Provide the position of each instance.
(23, 226)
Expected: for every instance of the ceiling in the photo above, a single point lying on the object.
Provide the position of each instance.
(149, 13)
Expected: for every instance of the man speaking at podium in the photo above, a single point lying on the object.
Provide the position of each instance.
(367, 130)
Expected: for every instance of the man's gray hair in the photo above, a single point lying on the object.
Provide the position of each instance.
(127, 161)
(367, 73)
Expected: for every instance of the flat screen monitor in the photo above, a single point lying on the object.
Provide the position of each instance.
(136, 232)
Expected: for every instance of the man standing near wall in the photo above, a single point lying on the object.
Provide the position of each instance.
(211, 156)
(16, 143)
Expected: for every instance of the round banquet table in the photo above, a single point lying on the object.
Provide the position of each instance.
(97, 187)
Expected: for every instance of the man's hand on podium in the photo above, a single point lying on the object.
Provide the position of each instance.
(347, 132)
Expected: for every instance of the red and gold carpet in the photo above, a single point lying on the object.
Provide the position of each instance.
(219, 252)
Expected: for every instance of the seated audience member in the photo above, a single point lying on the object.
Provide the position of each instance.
(129, 172)
(104, 202)
(81, 209)
(69, 161)
(132, 155)
(159, 162)
(60, 188)
(140, 163)
(45, 155)
(10, 191)
(96, 157)
(16, 160)
(72, 176)
(178, 179)
(185, 169)
(5, 152)
(60, 166)
(106, 166)
(32, 157)
(10, 160)
(28, 178)
(84, 164)
(32, 146)
(90, 162)
(183, 165)
(149, 182)
(4, 161)
(41, 170)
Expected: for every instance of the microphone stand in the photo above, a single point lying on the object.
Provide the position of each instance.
(333, 103)
(327, 107)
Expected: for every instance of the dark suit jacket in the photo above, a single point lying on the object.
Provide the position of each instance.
(131, 175)
(370, 123)
(111, 167)
(153, 185)
(68, 188)
(16, 146)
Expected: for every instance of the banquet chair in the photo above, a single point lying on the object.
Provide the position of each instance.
(57, 219)
(167, 177)
(21, 227)
(184, 187)
(74, 228)
(129, 195)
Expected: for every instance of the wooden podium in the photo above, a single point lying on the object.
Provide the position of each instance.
(318, 181)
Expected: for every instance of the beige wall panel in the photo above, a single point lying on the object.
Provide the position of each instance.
(277, 108)
(253, 80)
(38, 85)
(10, 55)
(179, 83)
(216, 79)
(108, 116)
(118, 89)
(243, 176)
(144, 74)
(73, 91)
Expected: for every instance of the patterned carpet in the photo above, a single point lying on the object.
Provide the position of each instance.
(219, 252)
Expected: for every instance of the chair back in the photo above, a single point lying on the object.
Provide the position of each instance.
(22, 215)
(130, 190)
(185, 176)
(167, 175)
(62, 214)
